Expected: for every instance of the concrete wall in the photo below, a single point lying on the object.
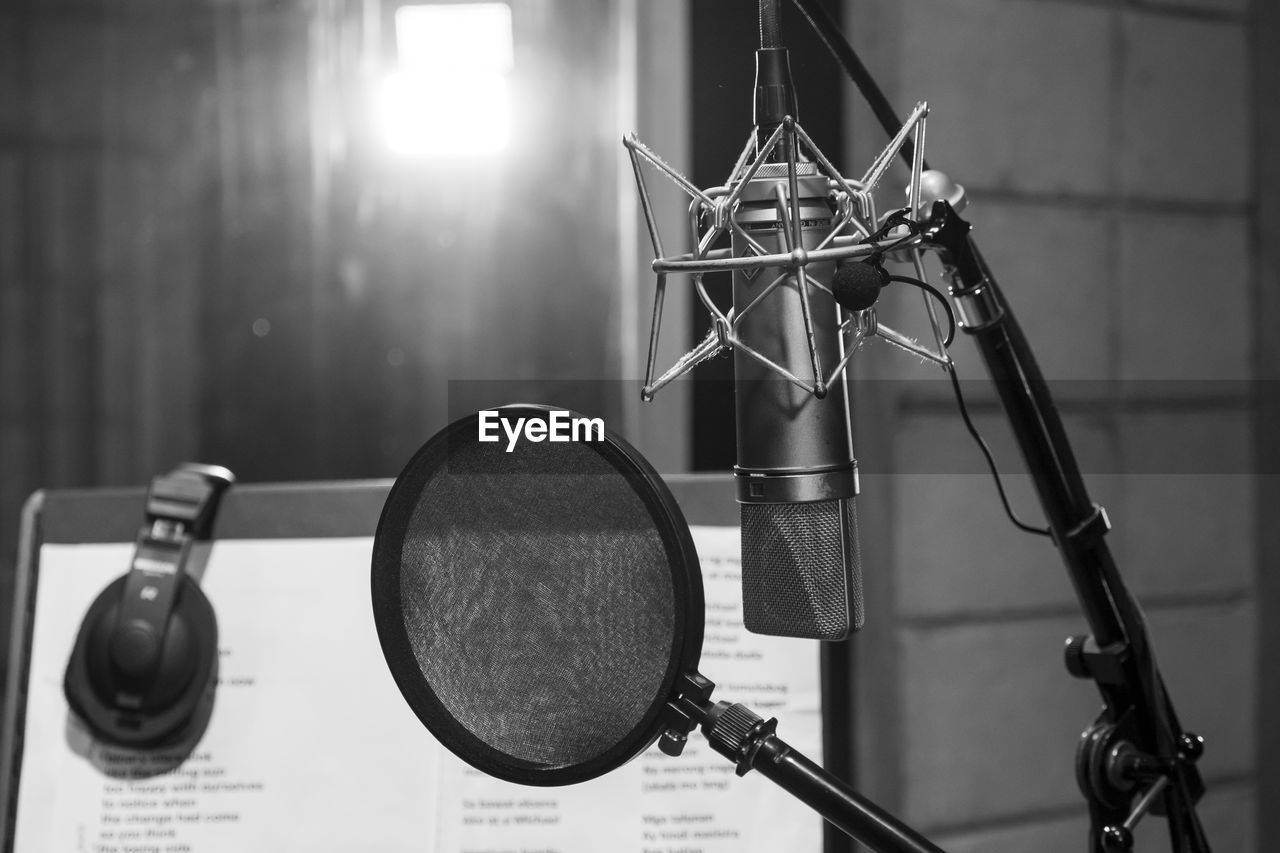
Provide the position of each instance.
(1107, 149)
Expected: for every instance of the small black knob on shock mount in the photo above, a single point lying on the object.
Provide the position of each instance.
(1116, 839)
(1191, 745)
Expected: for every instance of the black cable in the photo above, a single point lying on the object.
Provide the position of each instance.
(770, 29)
(838, 45)
(893, 220)
(986, 452)
(845, 55)
(942, 300)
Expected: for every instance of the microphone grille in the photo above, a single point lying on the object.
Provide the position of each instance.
(801, 569)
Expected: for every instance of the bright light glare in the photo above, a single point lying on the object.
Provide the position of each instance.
(450, 95)
(455, 37)
(420, 116)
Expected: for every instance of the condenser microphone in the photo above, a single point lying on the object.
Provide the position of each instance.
(796, 474)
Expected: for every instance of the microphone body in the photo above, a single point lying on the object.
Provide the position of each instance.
(796, 473)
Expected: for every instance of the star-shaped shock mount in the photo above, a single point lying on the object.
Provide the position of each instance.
(776, 170)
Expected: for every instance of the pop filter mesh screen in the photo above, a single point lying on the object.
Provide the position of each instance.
(536, 593)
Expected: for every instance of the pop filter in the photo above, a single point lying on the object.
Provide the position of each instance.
(539, 603)
(536, 600)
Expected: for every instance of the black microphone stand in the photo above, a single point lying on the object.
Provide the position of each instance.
(1135, 757)
(1136, 749)
(748, 740)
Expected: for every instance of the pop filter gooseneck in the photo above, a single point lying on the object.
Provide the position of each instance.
(539, 604)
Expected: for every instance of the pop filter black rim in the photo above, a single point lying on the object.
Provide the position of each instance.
(667, 522)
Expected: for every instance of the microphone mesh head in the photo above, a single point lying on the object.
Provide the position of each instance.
(801, 569)
(529, 603)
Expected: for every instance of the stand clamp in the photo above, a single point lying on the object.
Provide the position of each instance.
(733, 730)
(751, 743)
(683, 714)
(1112, 772)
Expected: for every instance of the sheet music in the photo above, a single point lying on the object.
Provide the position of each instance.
(311, 748)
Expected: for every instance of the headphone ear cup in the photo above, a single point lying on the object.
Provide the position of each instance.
(142, 713)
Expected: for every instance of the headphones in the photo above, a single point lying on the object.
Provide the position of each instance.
(147, 651)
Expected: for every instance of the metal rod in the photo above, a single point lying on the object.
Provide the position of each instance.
(765, 150)
(646, 203)
(661, 165)
(765, 291)
(1144, 804)
(835, 801)
(900, 340)
(655, 325)
(709, 347)
(898, 145)
(715, 261)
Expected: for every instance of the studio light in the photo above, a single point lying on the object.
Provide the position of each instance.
(449, 94)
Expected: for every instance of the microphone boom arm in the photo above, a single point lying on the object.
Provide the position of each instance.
(1136, 749)
(1138, 713)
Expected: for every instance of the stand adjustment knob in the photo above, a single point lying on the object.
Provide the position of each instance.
(1106, 665)
(1073, 656)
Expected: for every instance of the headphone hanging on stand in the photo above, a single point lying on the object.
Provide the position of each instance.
(147, 651)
